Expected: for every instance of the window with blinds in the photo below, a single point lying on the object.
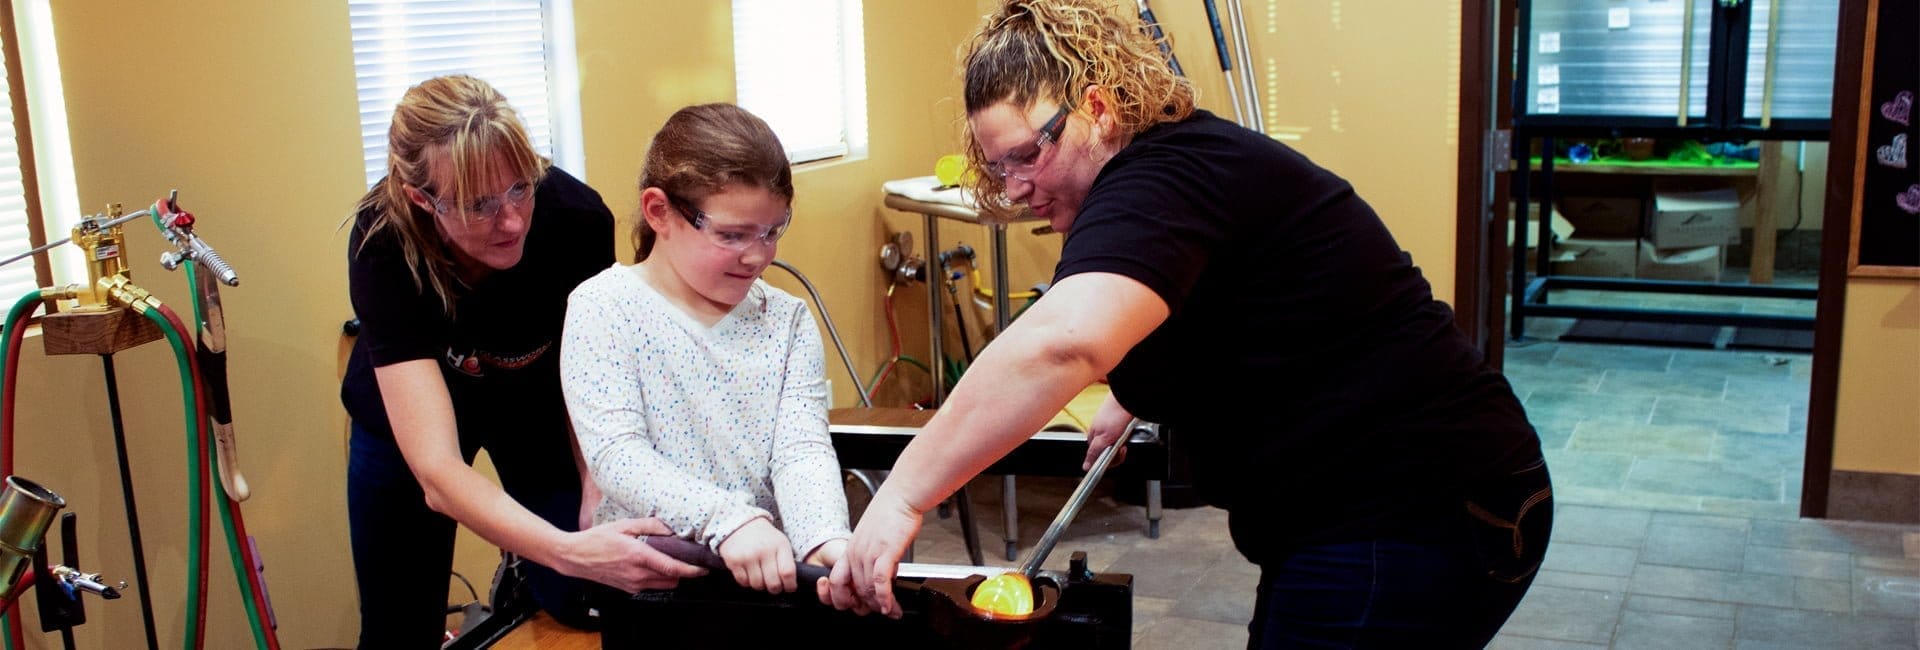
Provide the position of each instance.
(801, 66)
(523, 48)
(37, 86)
(16, 279)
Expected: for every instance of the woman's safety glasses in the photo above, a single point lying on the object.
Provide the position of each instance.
(1020, 163)
(483, 209)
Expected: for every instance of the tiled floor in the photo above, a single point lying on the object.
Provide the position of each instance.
(1677, 474)
(1620, 577)
(1715, 431)
(1682, 429)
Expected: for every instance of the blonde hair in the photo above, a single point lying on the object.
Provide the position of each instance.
(479, 132)
(1033, 49)
(700, 150)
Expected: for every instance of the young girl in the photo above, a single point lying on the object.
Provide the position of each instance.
(697, 391)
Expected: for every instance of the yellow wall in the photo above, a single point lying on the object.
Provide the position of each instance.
(1371, 89)
(1366, 89)
(249, 109)
(1877, 428)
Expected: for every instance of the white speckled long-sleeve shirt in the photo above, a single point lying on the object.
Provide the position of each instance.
(703, 427)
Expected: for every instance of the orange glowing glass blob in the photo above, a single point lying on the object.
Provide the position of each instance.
(1007, 594)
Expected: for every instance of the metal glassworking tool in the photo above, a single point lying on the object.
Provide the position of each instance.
(26, 510)
(1072, 609)
(74, 580)
(177, 225)
(1224, 49)
(63, 608)
(962, 605)
(1016, 593)
(1160, 38)
(108, 288)
(1079, 498)
(1249, 82)
(104, 243)
(109, 223)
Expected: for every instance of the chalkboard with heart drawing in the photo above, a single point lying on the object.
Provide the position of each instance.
(1887, 207)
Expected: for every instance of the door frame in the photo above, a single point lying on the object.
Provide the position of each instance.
(1482, 207)
(1485, 91)
(1837, 232)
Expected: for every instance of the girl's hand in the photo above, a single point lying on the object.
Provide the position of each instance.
(760, 557)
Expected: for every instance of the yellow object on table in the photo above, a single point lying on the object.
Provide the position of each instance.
(949, 168)
(1007, 594)
(1078, 414)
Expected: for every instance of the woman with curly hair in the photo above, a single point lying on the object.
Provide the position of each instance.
(1384, 479)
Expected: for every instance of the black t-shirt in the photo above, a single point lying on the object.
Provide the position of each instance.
(500, 352)
(1324, 392)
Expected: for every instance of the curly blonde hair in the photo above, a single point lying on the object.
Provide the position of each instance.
(1033, 49)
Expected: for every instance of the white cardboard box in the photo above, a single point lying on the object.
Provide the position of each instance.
(1691, 218)
(1697, 264)
(1604, 217)
(1562, 228)
(1598, 258)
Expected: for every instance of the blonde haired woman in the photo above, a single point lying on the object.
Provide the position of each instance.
(459, 266)
(1386, 482)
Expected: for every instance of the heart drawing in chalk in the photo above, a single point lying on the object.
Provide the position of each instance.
(1900, 108)
(1910, 199)
(1894, 154)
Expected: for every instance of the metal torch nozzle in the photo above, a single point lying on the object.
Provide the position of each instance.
(71, 579)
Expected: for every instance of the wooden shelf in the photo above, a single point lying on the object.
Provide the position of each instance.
(1652, 169)
(100, 332)
(1775, 192)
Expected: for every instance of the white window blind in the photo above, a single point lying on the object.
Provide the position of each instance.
(52, 155)
(801, 66)
(523, 48)
(16, 279)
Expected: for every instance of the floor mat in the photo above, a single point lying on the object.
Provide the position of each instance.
(1769, 338)
(1594, 330)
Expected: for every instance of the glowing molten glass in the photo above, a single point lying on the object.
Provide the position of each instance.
(1007, 594)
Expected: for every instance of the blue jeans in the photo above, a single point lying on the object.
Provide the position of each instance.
(403, 550)
(1452, 584)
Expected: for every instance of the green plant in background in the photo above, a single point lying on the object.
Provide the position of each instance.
(1691, 152)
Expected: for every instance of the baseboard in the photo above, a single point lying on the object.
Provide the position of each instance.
(1874, 496)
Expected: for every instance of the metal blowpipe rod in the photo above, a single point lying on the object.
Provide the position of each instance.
(1079, 498)
(139, 214)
